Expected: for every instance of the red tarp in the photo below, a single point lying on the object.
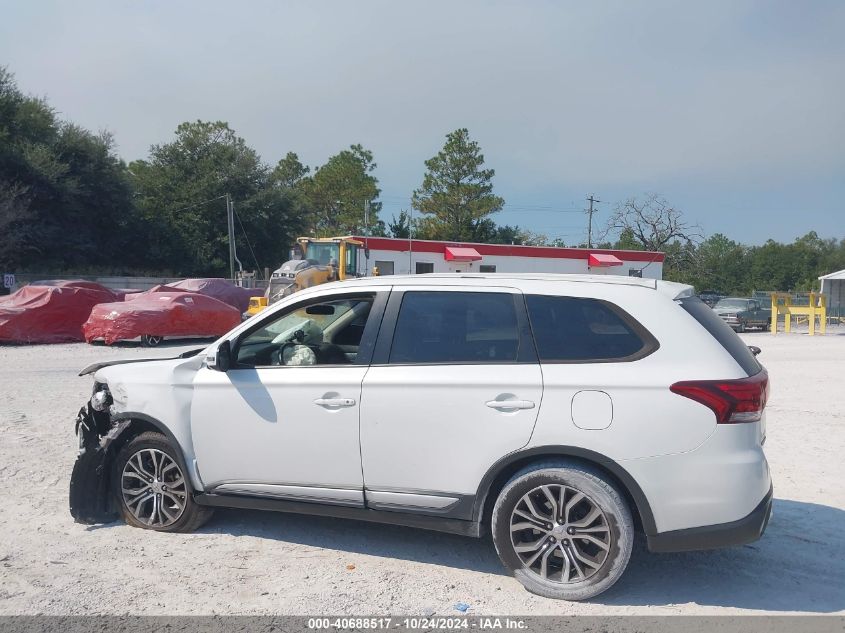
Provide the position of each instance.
(220, 289)
(162, 313)
(51, 313)
(119, 294)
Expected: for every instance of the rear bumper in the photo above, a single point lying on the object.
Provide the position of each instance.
(739, 532)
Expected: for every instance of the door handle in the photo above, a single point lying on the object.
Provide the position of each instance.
(510, 404)
(335, 402)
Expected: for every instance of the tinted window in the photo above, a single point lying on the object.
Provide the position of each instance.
(449, 327)
(575, 329)
(723, 333)
(424, 267)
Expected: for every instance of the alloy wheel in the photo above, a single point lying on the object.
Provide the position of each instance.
(153, 487)
(560, 534)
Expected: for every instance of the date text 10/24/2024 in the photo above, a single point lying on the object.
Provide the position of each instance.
(422, 623)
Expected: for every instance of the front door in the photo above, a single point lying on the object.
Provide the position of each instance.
(283, 421)
(455, 385)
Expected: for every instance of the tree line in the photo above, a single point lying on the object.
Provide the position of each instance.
(68, 203)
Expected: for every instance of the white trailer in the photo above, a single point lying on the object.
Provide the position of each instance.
(396, 256)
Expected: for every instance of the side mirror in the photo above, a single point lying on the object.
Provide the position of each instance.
(755, 350)
(222, 359)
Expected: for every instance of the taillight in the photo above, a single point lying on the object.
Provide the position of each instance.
(733, 401)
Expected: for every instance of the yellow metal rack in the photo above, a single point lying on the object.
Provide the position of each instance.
(782, 304)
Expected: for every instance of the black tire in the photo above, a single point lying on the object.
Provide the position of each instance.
(151, 340)
(146, 451)
(601, 494)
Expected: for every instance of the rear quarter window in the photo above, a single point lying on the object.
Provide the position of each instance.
(583, 330)
(723, 333)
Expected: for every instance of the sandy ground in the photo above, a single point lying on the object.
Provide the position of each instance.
(253, 562)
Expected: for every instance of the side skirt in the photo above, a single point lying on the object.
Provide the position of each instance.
(425, 522)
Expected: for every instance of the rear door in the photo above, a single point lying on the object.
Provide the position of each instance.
(454, 385)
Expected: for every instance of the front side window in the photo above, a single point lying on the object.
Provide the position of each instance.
(455, 327)
(576, 329)
(324, 333)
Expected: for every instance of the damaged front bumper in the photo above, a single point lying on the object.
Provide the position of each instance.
(90, 494)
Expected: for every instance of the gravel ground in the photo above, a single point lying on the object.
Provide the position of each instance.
(245, 562)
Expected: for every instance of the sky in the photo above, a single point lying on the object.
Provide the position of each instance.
(732, 110)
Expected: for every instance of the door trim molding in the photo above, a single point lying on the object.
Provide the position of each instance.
(417, 520)
(388, 499)
(320, 494)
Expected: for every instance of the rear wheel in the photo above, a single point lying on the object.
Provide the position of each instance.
(151, 489)
(150, 340)
(563, 530)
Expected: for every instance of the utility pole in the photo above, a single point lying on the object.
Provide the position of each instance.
(410, 240)
(366, 235)
(233, 253)
(234, 242)
(231, 228)
(591, 199)
(366, 218)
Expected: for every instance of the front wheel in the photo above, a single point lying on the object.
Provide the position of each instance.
(563, 530)
(151, 488)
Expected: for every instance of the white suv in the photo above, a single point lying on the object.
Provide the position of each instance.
(560, 412)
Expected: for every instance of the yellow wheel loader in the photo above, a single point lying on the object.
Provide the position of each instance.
(323, 259)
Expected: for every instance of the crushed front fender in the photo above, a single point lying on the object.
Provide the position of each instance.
(90, 494)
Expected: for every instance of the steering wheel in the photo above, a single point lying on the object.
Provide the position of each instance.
(302, 353)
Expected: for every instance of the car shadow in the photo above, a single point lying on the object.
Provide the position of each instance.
(361, 537)
(798, 565)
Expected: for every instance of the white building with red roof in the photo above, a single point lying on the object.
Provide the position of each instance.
(397, 256)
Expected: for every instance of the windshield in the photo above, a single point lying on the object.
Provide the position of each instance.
(732, 303)
(323, 252)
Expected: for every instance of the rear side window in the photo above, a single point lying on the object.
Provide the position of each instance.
(575, 329)
(456, 327)
(723, 333)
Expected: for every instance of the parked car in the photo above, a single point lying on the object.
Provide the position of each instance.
(50, 311)
(560, 413)
(742, 314)
(710, 297)
(220, 289)
(152, 317)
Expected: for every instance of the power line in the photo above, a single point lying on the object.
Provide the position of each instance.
(197, 204)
